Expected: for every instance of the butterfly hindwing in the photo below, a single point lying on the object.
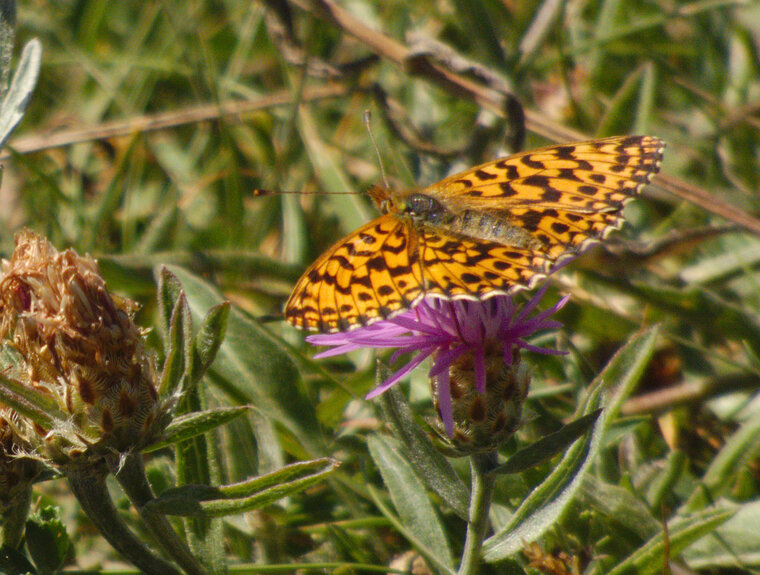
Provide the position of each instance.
(466, 268)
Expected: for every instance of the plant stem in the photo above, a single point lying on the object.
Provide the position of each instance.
(130, 473)
(89, 487)
(480, 504)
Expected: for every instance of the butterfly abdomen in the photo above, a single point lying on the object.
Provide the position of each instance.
(483, 225)
(493, 226)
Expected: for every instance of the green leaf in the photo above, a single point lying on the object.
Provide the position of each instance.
(174, 364)
(667, 479)
(39, 407)
(410, 499)
(545, 504)
(432, 467)
(740, 449)
(706, 312)
(168, 292)
(542, 25)
(196, 423)
(617, 504)
(735, 542)
(647, 104)
(184, 317)
(623, 371)
(331, 174)
(197, 458)
(218, 501)
(209, 338)
(7, 42)
(549, 446)
(19, 94)
(253, 367)
(682, 532)
(47, 541)
(618, 117)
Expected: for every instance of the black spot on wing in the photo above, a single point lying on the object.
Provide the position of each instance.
(484, 176)
(507, 190)
(510, 170)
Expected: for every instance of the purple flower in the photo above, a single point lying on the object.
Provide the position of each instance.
(448, 330)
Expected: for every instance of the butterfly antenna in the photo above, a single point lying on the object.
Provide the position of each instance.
(368, 123)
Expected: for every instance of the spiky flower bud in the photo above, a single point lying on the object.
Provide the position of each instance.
(78, 345)
(483, 421)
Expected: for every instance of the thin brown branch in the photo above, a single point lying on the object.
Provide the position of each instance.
(39, 142)
(687, 393)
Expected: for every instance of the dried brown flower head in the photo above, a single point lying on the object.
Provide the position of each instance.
(79, 345)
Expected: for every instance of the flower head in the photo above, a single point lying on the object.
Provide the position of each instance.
(76, 344)
(475, 349)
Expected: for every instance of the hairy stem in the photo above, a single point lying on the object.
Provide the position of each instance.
(89, 487)
(480, 503)
(130, 473)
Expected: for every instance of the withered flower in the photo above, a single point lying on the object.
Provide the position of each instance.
(78, 345)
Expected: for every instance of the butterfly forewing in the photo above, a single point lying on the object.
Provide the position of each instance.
(368, 275)
(547, 204)
(588, 176)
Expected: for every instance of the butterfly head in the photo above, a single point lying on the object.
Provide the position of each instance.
(384, 200)
(411, 204)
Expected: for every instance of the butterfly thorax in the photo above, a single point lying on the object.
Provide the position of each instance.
(489, 225)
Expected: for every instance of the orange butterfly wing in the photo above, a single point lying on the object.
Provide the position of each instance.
(560, 198)
(368, 275)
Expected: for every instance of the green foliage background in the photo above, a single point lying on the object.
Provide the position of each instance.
(153, 122)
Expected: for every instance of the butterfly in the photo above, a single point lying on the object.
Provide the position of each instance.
(490, 230)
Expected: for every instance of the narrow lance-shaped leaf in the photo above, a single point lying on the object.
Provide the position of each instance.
(648, 559)
(410, 499)
(210, 501)
(625, 369)
(549, 446)
(174, 364)
(543, 507)
(39, 407)
(188, 347)
(432, 467)
(20, 93)
(7, 42)
(253, 367)
(197, 423)
(546, 503)
(735, 542)
(209, 338)
(740, 448)
(169, 290)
